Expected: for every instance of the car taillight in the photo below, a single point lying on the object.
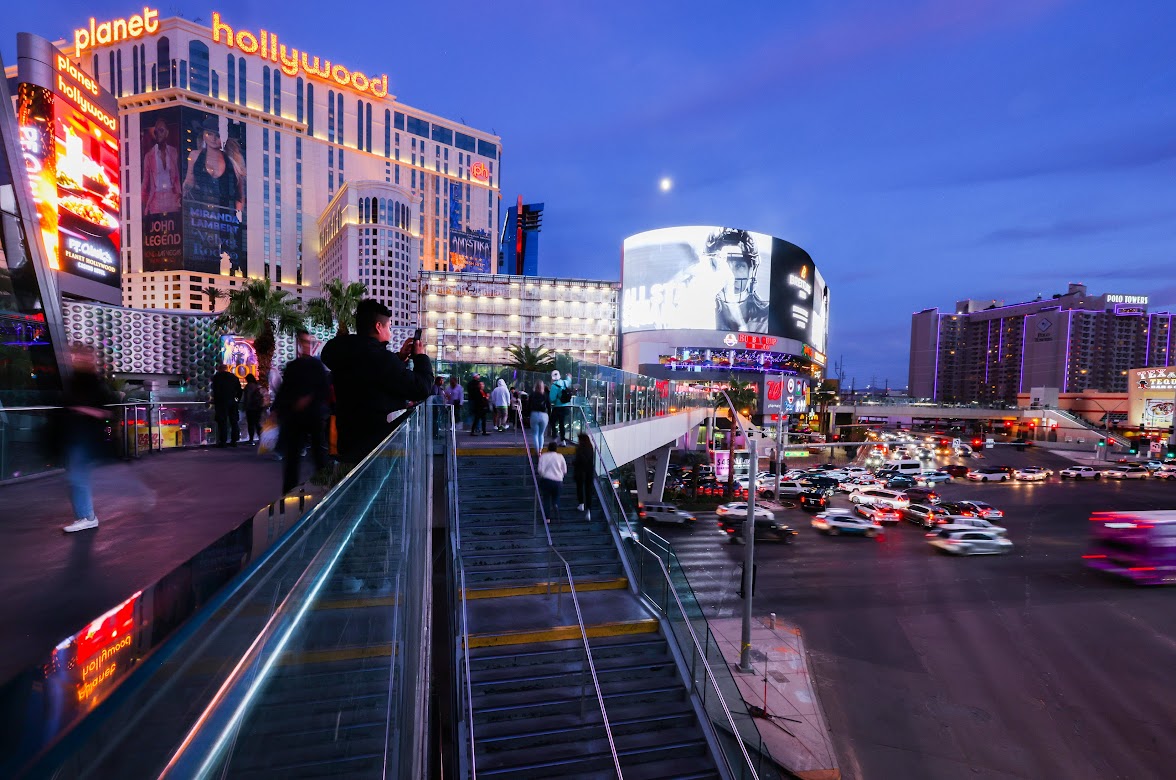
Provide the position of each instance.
(729, 530)
(1093, 557)
(641, 514)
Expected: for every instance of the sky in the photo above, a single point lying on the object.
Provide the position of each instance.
(921, 151)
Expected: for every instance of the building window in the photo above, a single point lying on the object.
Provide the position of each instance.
(163, 61)
(442, 134)
(310, 109)
(198, 64)
(265, 88)
(241, 80)
(331, 115)
(368, 128)
(277, 92)
(387, 133)
(300, 100)
(215, 84)
(418, 127)
(113, 91)
(339, 120)
(183, 75)
(135, 69)
(399, 117)
(487, 149)
(232, 79)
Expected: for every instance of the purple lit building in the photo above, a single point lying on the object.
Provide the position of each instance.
(988, 352)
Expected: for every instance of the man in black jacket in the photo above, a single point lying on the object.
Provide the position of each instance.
(301, 405)
(371, 382)
(226, 393)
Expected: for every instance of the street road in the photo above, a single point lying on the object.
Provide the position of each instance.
(930, 666)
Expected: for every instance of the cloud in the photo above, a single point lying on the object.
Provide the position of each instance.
(1082, 227)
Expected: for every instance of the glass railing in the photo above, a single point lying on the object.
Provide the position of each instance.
(660, 577)
(344, 593)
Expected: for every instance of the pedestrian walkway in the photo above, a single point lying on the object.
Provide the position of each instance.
(781, 689)
(155, 513)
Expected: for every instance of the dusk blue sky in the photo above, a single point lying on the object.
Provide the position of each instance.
(922, 151)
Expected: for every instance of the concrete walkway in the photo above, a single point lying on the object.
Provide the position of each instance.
(795, 730)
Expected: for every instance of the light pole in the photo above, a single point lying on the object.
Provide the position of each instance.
(748, 562)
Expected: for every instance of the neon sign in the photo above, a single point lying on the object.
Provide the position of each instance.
(114, 31)
(480, 171)
(291, 61)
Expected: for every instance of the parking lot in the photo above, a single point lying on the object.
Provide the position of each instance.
(1024, 665)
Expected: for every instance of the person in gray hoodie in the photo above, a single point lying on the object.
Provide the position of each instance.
(500, 402)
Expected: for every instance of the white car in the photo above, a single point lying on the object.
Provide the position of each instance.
(933, 477)
(1167, 472)
(664, 513)
(739, 509)
(1080, 472)
(856, 471)
(840, 521)
(1127, 472)
(970, 541)
(987, 474)
(1031, 474)
(965, 523)
(880, 497)
(858, 483)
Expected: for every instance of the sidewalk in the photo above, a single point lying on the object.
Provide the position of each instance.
(797, 734)
(156, 513)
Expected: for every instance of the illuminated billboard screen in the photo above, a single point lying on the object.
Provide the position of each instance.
(72, 162)
(722, 279)
(469, 253)
(193, 203)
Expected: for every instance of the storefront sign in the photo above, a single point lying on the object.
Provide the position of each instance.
(1140, 299)
(291, 61)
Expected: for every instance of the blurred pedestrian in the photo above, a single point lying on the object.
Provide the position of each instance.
(82, 430)
(254, 402)
(226, 395)
(551, 469)
(471, 390)
(584, 471)
(500, 401)
(561, 400)
(370, 382)
(301, 406)
(442, 396)
(455, 395)
(479, 406)
(540, 414)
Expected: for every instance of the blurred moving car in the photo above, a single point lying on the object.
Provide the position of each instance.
(923, 495)
(1167, 472)
(1140, 546)
(871, 496)
(971, 541)
(665, 513)
(841, 521)
(1032, 474)
(979, 509)
(879, 514)
(812, 500)
(956, 470)
(765, 529)
(1127, 472)
(738, 509)
(988, 474)
(963, 523)
(926, 515)
(1080, 472)
(858, 483)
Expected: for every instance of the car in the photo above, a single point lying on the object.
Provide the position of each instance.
(961, 523)
(856, 471)
(956, 470)
(858, 483)
(1031, 474)
(738, 510)
(1127, 472)
(1154, 465)
(970, 541)
(988, 474)
(979, 509)
(923, 495)
(934, 477)
(926, 515)
(1167, 472)
(765, 529)
(826, 486)
(664, 513)
(888, 498)
(957, 509)
(813, 500)
(879, 514)
(1080, 472)
(834, 522)
(900, 482)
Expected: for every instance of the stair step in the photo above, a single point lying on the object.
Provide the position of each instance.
(552, 674)
(491, 658)
(576, 730)
(583, 585)
(544, 709)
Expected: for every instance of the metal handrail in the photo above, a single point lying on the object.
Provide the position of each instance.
(685, 619)
(612, 746)
(455, 514)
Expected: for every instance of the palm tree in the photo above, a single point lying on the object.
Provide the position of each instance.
(337, 305)
(258, 311)
(214, 294)
(524, 358)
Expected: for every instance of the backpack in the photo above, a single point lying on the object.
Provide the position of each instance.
(565, 395)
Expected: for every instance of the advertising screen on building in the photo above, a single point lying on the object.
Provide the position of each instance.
(469, 253)
(724, 279)
(193, 192)
(70, 147)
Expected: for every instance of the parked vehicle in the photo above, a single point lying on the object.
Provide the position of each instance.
(900, 482)
(971, 541)
(834, 522)
(1140, 546)
(1080, 472)
(957, 508)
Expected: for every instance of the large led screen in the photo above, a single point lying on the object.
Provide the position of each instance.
(722, 279)
(73, 169)
(193, 192)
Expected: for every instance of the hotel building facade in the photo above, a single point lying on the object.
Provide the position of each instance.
(244, 156)
(1074, 342)
(475, 317)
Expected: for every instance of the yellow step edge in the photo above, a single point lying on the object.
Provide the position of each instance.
(540, 588)
(339, 654)
(556, 633)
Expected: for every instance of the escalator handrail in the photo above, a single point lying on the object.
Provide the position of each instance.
(685, 619)
(455, 534)
(612, 745)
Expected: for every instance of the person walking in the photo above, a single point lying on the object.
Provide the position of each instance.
(500, 401)
(540, 414)
(442, 397)
(301, 405)
(551, 470)
(254, 402)
(561, 405)
(370, 382)
(454, 395)
(471, 390)
(83, 426)
(584, 470)
(226, 394)
(479, 405)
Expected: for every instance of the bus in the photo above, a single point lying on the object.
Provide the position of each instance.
(1140, 546)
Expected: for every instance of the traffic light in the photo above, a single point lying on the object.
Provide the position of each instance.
(1102, 443)
(976, 442)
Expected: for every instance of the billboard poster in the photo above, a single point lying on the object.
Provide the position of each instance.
(163, 236)
(469, 253)
(239, 354)
(787, 393)
(72, 162)
(1157, 412)
(795, 286)
(697, 278)
(213, 214)
(455, 206)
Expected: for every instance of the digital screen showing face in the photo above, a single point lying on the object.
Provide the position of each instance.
(799, 296)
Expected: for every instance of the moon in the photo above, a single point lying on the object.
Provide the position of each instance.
(666, 184)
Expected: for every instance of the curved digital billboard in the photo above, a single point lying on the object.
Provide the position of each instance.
(722, 279)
